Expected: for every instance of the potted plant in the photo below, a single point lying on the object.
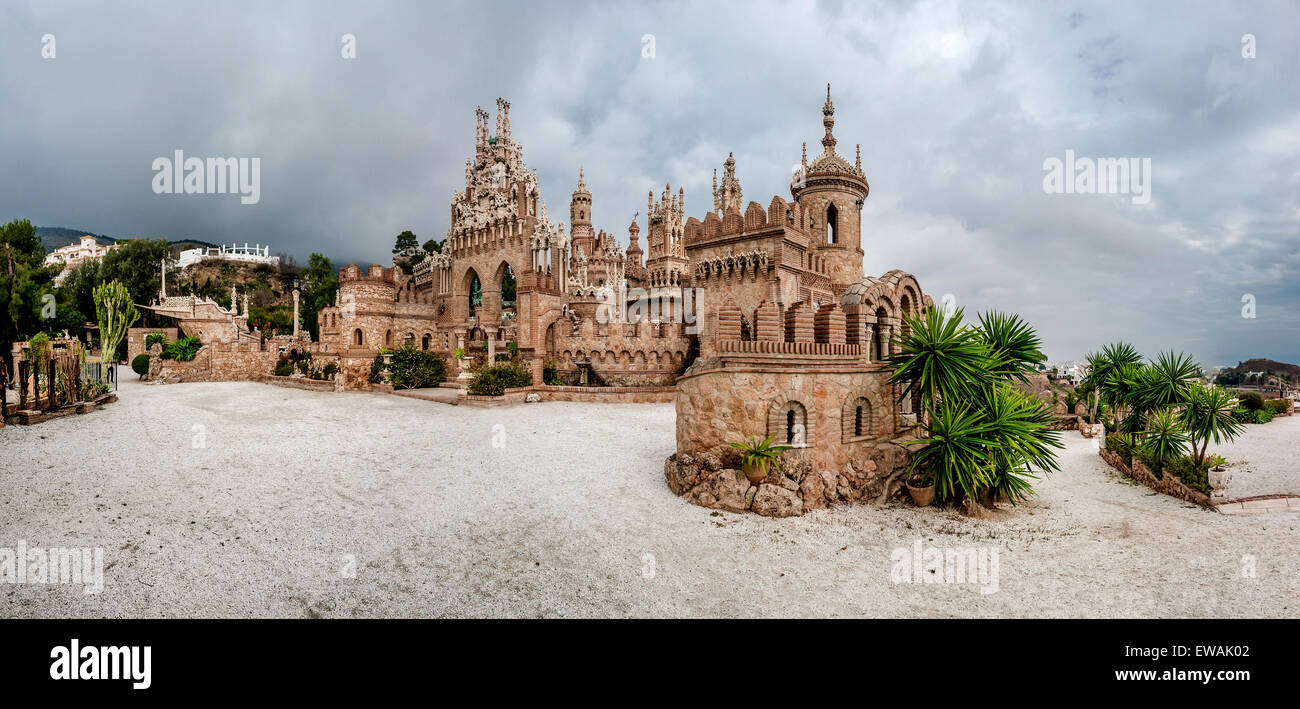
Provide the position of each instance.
(758, 457)
(459, 354)
(921, 487)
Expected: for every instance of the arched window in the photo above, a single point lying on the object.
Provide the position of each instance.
(424, 342)
(832, 225)
(787, 422)
(856, 419)
(359, 338)
(388, 338)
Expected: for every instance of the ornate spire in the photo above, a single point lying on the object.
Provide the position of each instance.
(582, 179)
(804, 161)
(828, 120)
(857, 163)
(727, 196)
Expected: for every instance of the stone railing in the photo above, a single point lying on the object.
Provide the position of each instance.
(776, 347)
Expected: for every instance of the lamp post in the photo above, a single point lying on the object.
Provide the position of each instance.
(296, 284)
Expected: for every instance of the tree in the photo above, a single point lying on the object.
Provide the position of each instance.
(433, 246)
(985, 434)
(322, 282)
(406, 241)
(115, 313)
(27, 302)
(1101, 365)
(1207, 416)
(136, 263)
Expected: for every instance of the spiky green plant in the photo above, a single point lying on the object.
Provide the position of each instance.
(1164, 436)
(1206, 415)
(760, 455)
(1101, 365)
(940, 358)
(1013, 346)
(115, 313)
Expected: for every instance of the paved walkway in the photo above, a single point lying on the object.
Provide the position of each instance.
(444, 395)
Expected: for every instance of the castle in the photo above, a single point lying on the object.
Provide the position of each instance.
(761, 317)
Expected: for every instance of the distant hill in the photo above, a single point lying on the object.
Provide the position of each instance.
(56, 237)
(1239, 373)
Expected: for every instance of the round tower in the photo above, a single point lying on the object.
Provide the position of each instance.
(831, 193)
(584, 237)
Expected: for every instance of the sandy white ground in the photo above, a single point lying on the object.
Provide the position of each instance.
(1265, 460)
(571, 517)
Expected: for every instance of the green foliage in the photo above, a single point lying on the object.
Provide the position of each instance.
(550, 375)
(154, 338)
(760, 455)
(140, 365)
(377, 369)
(320, 283)
(115, 313)
(38, 349)
(494, 380)
(1251, 400)
(24, 283)
(1101, 366)
(1243, 415)
(459, 353)
(184, 349)
(1207, 415)
(1121, 444)
(1164, 438)
(1194, 475)
(283, 368)
(985, 435)
(1263, 415)
(412, 368)
(1279, 406)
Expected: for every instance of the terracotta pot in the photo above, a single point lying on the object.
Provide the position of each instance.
(921, 496)
(755, 474)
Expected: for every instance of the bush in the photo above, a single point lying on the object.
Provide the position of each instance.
(1251, 400)
(182, 350)
(330, 370)
(377, 369)
(1243, 415)
(283, 368)
(140, 365)
(412, 368)
(550, 375)
(1263, 416)
(1121, 444)
(494, 380)
(1278, 406)
(154, 337)
(1194, 476)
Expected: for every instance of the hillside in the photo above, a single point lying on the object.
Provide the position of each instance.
(55, 237)
(1238, 374)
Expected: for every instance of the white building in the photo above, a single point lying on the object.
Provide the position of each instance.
(248, 254)
(88, 249)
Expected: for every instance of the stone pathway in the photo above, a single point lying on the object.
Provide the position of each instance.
(443, 395)
(1259, 505)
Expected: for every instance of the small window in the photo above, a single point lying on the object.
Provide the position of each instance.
(359, 338)
(832, 225)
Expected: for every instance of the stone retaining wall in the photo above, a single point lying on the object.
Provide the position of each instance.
(1170, 484)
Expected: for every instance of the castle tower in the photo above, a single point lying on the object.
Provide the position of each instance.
(666, 261)
(583, 236)
(832, 192)
(633, 247)
(727, 197)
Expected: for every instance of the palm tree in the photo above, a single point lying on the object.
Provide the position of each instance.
(1013, 345)
(940, 358)
(1101, 365)
(1206, 416)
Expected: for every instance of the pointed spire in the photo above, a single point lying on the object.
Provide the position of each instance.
(582, 178)
(804, 161)
(828, 120)
(857, 163)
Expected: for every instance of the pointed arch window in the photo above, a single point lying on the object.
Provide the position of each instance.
(832, 225)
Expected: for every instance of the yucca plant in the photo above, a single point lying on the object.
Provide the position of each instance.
(1101, 365)
(940, 358)
(760, 456)
(1207, 416)
(1013, 346)
(1164, 436)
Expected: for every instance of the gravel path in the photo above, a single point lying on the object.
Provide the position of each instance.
(1265, 460)
(250, 500)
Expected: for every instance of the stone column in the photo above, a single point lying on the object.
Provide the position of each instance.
(870, 329)
(887, 332)
(295, 313)
(491, 345)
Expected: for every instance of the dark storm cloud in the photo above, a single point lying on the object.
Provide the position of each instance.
(956, 106)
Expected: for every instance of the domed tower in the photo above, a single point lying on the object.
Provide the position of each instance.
(584, 237)
(633, 247)
(831, 192)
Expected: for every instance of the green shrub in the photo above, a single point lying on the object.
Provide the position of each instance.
(182, 350)
(1121, 444)
(1278, 406)
(140, 365)
(283, 368)
(304, 366)
(412, 368)
(330, 370)
(377, 369)
(1194, 476)
(1251, 400)
(1263, 416)
(154, 338)
(550, 375)
(494, 380)
(1243, 415)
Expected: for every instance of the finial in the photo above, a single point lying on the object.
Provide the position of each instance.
(858, 162)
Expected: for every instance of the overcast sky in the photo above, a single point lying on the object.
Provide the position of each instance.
(956, 105)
